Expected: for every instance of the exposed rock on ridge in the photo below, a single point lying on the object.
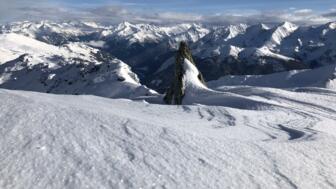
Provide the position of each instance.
(176, 91)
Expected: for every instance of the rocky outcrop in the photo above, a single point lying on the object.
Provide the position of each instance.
(175, 93)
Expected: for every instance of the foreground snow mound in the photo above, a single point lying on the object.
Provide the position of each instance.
(56, 141)
(324, 77)
(74, 68)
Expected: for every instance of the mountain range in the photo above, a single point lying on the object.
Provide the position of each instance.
(72, 57)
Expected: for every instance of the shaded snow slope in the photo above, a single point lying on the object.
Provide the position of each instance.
(321, 77)
(56, 141)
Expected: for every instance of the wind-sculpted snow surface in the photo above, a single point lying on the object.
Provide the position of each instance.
(56, 141)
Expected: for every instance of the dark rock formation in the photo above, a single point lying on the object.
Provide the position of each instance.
(175, 93)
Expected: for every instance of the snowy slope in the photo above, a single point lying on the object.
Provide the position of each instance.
(19, 45)
(74, 68)
(6, 55)
(324, 77)
(281, 32)
(195, 92)
(55, 141)
(190, 78)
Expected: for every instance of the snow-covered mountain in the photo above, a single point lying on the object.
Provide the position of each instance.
(73, 68)
(146, 33)
(218, 50)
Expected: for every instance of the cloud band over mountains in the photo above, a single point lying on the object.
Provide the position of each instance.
(19, 10)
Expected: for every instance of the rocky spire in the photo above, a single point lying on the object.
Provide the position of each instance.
(176, 91)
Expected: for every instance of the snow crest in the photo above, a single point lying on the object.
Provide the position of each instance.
(190, 77)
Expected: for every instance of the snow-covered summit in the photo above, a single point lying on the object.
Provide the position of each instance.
(280, 32)
(147, 33)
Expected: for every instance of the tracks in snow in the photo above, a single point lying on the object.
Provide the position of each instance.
(299, 115)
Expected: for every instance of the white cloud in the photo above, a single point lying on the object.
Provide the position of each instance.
(40, 10)
(303, 11)
(9, 9)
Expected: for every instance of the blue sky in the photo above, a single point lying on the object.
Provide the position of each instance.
(171, 11)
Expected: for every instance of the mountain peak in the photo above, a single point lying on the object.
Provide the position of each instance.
(280, 32)
(332, 25)
(257, 28)
(263, 26)
(124, 25)
(184, 52)
(288, 25)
